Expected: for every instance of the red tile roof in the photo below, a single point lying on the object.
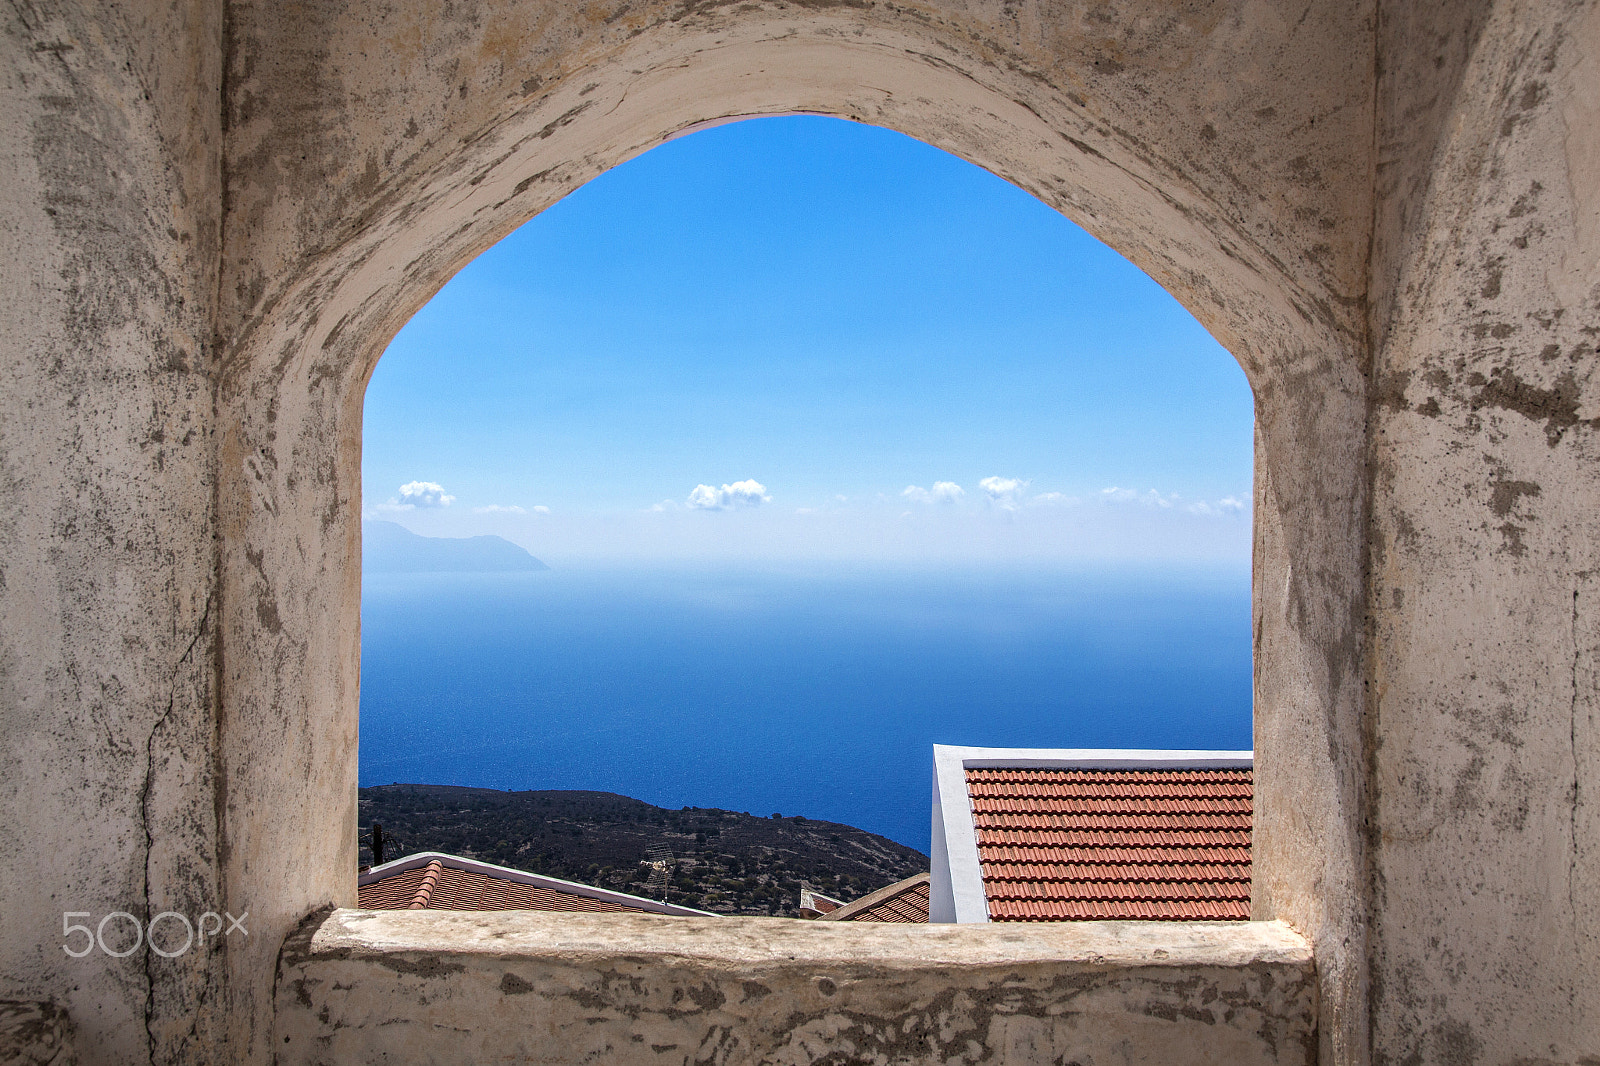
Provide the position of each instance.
(903, 901)
(448, 882)
(814, 904)
(1157, 843)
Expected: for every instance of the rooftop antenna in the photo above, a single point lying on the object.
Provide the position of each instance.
(659, 858)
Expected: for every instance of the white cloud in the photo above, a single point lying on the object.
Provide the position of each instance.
(747, 493)
(422, 494)
(1004, 492)
(1055, 499)
(540, 508)
(1228, 505)
(495, 508)
(942, 492)
(1150, 497)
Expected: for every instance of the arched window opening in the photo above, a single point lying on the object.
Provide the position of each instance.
(704, 505)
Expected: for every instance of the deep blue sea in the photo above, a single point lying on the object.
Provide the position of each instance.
(814, 691)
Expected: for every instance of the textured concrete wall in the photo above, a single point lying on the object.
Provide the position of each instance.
(110, 217)
(370, 987)
(1485, 540)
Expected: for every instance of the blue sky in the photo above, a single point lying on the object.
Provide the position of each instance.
(807, 338)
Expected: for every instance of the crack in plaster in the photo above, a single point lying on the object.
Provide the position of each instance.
(1572, 863)
(144, 812)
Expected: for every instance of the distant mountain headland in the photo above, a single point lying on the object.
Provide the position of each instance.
(723, 861)
(394, 549)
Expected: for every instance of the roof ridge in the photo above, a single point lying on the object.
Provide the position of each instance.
(425, 890)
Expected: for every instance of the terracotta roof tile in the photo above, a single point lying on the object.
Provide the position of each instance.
(1089, 910)
(1147, 872)
(909, 906)
(816, 903)
(441, 886)
(1126, 837)
(1169, 844)
(903, 901)
(1101, 853)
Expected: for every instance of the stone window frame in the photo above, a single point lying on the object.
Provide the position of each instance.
(290, 405)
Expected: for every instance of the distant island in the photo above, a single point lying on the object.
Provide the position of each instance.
(723, 861)
(387, 548)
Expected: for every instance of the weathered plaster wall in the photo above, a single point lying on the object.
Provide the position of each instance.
(371, 152)
(370, 987)
(1485, 540)
(110, 215)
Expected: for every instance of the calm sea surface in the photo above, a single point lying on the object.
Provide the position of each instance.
(803, 692)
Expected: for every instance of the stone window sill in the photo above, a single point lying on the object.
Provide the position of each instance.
(481, 986)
